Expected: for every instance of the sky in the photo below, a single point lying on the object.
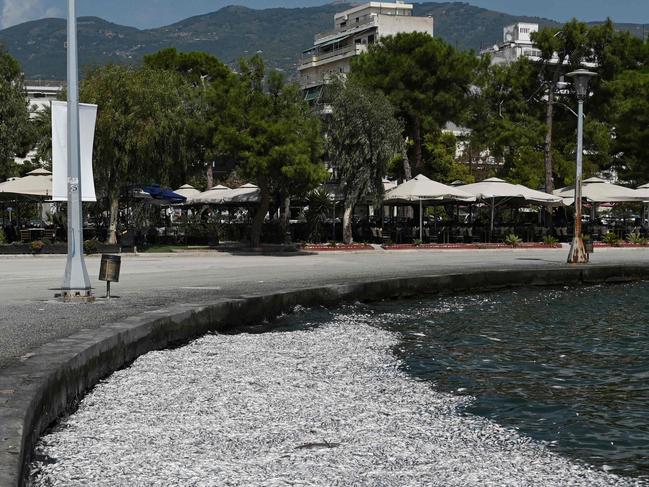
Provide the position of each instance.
(155, 13)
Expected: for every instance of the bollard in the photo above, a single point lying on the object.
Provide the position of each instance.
(109, 270)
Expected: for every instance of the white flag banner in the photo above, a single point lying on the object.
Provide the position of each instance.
(87, 121)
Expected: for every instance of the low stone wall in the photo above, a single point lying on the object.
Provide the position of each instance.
(48, 381)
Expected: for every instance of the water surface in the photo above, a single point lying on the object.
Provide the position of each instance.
(569, 367)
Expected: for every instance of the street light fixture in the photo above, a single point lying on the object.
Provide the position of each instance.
(581, 78)
(76, 283)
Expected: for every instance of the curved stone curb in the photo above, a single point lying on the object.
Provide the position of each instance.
(34, 393)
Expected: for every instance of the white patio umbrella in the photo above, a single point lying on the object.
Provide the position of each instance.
(37, 183)
(493, 189)
(644, 192)
(597, 190)
(187, 190)
(420, 189)
(211, 196)
(246, 194)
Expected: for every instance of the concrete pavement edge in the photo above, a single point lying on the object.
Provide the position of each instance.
(48, 381)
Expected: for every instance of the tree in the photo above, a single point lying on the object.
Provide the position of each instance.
(561, 49)
(15, 129)
(426, 80)
(363, 136)
(201, 70)
(139, 134)
(630, 106)
(266, 127)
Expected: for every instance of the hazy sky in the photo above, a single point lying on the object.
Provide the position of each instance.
(153, 13)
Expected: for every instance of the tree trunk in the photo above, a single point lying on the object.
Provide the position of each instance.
(549, 121)
(210, 176)
(260, 216)
(286, 215)
(407, 170)
(348, 237)
(416, 136)
(113, 202)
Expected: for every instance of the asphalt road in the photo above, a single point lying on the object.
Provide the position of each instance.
(30, 316)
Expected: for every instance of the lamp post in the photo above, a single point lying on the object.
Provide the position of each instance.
(581, 77)
(76, 283)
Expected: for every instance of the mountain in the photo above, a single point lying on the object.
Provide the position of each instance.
(231, 33)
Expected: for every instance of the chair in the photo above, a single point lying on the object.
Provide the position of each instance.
(49, 234)
(25, 236)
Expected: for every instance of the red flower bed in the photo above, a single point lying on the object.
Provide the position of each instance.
(625, 245)
(473, 246)
(336, 248)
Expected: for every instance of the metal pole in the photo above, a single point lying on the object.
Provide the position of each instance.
(421, 221)
(76, 283)
(334, 221)
(578, 253)
(493, 208)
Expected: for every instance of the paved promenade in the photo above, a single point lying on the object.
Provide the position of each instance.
(29, 316)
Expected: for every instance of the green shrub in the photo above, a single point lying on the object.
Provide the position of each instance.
(319, 210)
(513, 240)
(636, 238)
(417, 242)
(3, 237)
(36, 246)
(550, 240)
(91, 246)
(611, 239)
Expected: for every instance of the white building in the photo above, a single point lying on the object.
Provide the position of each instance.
(41, 93)
(354, 30)
(517, 43)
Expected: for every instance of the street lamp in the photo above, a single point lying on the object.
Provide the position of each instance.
(76, 283)
(581, 78)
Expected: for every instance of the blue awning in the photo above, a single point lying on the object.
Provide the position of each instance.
(166, 194)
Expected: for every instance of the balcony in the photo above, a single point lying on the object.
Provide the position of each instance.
(351, 29)
(346, 51)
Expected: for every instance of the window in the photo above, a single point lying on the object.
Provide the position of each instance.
(370, 39)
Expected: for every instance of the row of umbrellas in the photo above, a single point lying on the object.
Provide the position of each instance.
(595, 190)
(38, 183)
(222, 195)
(422, 189)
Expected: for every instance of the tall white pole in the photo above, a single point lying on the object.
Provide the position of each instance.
(76, 283)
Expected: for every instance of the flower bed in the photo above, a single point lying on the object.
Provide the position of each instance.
(51, 249)
(472, 246)
(625, 245)
(336, 248)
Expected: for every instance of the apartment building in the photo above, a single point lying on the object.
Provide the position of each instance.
(517, 43)
(354, 30)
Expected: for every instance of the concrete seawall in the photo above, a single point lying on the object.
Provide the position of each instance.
(46, 382)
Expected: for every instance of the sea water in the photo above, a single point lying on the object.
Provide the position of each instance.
(565, 366)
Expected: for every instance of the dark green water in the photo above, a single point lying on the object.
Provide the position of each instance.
(567, 367)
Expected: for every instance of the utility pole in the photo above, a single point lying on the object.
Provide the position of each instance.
(76, 283)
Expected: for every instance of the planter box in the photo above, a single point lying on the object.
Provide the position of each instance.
(337, 248)
(52, 249)
(623, 245)
(475, 246)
